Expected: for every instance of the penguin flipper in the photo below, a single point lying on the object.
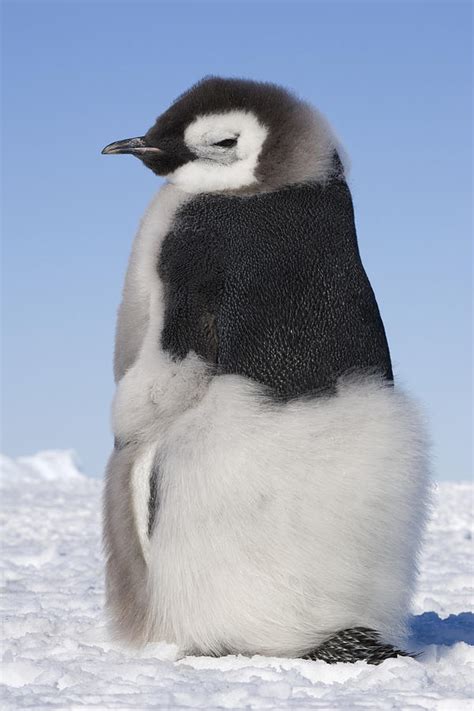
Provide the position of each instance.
(354, 645)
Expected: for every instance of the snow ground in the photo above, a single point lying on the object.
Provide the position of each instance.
(54, 649)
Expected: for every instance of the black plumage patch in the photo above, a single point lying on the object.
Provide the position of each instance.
(174, 153)
(271, 103)
(271, 286)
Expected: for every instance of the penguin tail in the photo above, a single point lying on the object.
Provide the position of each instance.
(354, 645)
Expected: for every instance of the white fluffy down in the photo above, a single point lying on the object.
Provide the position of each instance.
(279, 525)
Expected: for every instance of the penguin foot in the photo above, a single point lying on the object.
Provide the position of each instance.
(356, 644)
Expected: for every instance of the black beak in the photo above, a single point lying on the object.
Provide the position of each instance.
(135, 146)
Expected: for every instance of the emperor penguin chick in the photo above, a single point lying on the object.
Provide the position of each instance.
(266, 493)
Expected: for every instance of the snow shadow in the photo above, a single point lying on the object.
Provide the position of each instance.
(429, 628)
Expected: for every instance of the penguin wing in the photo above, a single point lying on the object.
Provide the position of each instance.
(297, 309)
(132, 322)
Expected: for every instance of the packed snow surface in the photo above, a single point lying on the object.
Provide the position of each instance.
(55, 648)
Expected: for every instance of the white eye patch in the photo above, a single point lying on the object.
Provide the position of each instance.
(210, 129)
(221, 167)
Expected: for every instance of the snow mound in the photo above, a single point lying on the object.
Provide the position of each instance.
(56, 653)
(50, 465)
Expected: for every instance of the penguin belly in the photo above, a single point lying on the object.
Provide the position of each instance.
(279, 524)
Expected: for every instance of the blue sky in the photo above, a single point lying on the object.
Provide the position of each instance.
(393, 78)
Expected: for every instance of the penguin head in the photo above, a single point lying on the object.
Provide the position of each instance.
(236, 135)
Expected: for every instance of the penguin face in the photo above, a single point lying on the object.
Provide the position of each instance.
(232, 134)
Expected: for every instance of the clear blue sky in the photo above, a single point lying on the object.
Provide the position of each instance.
(393, 78)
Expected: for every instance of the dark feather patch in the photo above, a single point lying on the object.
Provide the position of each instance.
(354, 645)
(153, 499)
(272, 287)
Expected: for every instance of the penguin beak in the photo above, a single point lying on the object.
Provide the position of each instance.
(134, 146)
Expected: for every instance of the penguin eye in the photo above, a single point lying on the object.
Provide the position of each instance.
(226, 143)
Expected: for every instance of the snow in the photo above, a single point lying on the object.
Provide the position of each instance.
(55, 648)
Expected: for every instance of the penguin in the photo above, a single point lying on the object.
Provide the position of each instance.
(268, 486)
